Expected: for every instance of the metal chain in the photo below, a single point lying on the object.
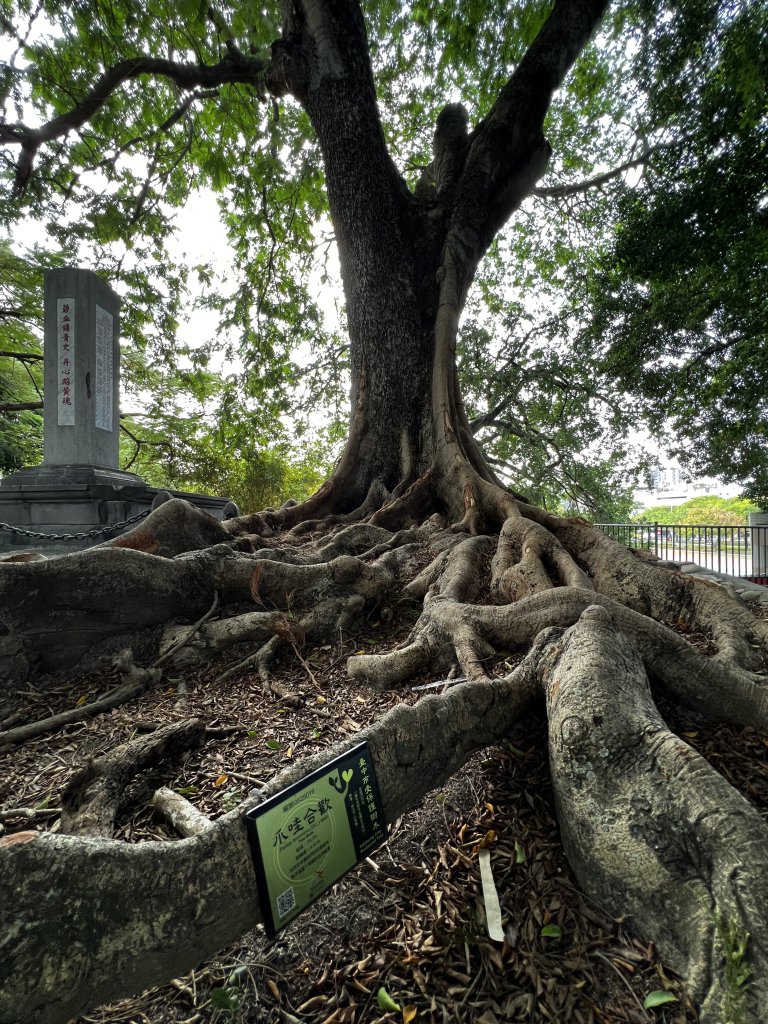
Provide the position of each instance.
(75, 536)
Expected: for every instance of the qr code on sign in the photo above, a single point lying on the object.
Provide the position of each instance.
(286, 901)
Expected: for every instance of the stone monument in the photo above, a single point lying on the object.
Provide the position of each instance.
(79, 488)
(82, 359)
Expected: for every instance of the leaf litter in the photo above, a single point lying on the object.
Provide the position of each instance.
(409, 922)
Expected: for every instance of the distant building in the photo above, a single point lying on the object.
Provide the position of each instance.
(670, 485)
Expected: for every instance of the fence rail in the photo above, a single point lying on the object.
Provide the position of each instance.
(734, 550)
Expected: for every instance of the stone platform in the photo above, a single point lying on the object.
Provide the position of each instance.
(76, 499)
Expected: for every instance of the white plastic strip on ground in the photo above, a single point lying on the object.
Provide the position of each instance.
(490, 898)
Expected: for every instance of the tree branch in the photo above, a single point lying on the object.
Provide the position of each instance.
(561, 191)
(23, 356)
(20, 406)
(711, 350)
(491, 417)
(12, 311)
(246, 70)
(507, 152)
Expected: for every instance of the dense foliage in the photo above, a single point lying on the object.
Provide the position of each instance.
(706, 511)
(682, 295)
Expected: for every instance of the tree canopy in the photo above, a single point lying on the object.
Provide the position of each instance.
(677, 325)
(108, 180)
(708, 510)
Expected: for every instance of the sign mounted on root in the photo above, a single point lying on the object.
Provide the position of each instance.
(306, 837)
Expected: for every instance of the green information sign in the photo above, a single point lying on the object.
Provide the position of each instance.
(305, 838)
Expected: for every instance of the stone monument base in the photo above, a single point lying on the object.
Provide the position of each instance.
(57, 500)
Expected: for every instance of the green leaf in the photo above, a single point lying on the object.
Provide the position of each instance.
(519, 853)
(386, 1002)
(187, 790)
(658, 998)
(223, 999)
(551, 931)
(273, 744)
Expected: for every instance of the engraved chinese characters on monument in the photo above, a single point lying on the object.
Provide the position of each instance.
(82, 370)
(65, 365)
(104, 335)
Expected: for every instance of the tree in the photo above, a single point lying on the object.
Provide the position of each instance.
(682, 292)
(704, 511)
(21, 424)
(411, 508)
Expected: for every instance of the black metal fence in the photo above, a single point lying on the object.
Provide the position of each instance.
(734, 550)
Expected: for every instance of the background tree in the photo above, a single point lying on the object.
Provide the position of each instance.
(700, 512)
(681, 295)
(187, 426)
(21, 378)
(412, 510)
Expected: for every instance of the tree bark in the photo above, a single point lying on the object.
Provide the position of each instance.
(648, 826)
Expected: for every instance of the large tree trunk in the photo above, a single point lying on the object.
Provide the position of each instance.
(411, 511)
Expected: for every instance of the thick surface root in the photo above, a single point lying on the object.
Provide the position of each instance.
(527, 560)
(91, 799)
(652, 831)
(84, 921)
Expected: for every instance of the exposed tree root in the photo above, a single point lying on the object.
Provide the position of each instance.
(183, 816)
(173, 527)
(505, 575)
(527, 559)
(650, 829)
(181, 641)
(213, 637)
(91, 799)
(687, 676)
(135, 682)
(28, 814)
(67, 942)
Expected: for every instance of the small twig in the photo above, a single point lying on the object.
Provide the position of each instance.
(267, 650)
(29, 813)
(239, 666)
(218, 732)
(260, 783)
(307, 669)
(185, 639)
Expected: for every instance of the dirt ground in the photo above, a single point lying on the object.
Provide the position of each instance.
(410, 919)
